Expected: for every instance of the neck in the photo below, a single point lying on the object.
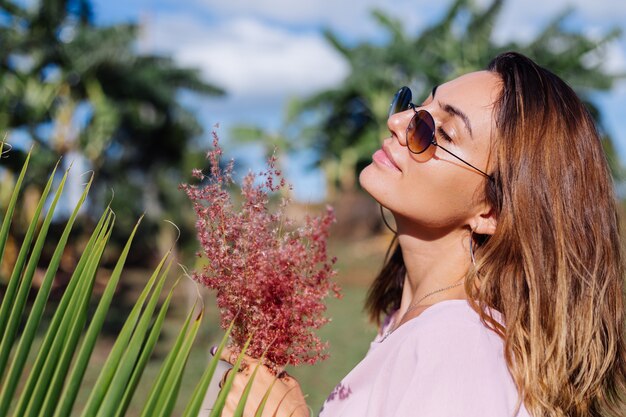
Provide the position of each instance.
(433, 262)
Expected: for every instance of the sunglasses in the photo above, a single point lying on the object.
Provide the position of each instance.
(420, 133)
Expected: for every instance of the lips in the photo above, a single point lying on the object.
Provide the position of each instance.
(383, 157)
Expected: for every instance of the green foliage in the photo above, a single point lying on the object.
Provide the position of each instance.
(100, 97)
(193, 407)
(50, 387)
(350, 120)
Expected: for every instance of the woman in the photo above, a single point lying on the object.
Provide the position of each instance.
(504, 291)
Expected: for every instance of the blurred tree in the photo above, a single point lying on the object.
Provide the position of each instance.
(87, 92)
(345, 124)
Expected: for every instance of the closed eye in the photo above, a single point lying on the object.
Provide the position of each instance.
(442, 133)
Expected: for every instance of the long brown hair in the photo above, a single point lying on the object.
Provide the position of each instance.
(553, 268)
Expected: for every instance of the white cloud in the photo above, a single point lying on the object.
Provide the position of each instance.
(602, 11)
(247, 56)
(274, 49)
(522, 19)
(352, 18)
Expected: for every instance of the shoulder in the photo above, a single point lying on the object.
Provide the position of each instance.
(442, 363)
(454, 358)
(447, 336)
(449, 346)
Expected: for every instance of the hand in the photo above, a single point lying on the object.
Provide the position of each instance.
(285, 399)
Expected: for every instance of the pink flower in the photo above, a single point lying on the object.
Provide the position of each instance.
(271, 276)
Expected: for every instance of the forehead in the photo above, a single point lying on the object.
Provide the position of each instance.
(475, 94)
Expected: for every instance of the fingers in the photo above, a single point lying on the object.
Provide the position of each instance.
(242, 370)
(228, 355)
(223, 380)
(284, 396)
(240, 381)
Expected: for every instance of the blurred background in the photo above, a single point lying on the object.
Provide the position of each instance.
(132, 90)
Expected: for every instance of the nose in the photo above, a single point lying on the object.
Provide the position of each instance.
(397, 124)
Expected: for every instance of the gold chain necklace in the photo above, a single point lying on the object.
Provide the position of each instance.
(416, 304)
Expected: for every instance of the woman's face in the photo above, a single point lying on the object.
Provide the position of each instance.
(435, 190)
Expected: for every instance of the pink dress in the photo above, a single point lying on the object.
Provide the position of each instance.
(442, 363)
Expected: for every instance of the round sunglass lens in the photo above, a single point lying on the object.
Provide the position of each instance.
(400, 101)
(420, 132)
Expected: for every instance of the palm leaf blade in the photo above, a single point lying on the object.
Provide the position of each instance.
(34, 318)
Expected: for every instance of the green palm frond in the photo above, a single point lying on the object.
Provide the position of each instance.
(345, 124)
(50, 387)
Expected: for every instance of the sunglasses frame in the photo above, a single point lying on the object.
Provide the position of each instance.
(402, 102)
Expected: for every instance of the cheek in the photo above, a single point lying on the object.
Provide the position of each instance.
(437, 199)
(426, 195)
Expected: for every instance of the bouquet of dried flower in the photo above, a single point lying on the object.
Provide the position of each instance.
(270, 274)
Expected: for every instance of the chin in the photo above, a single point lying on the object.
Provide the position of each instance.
(373, 182)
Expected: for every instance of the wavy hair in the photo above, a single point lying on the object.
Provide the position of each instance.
(553, 268)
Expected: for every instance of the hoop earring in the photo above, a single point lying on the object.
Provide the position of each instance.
(471, 247)
(385, 220)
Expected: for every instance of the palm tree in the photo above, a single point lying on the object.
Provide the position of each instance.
(78, 89)
(350, 119)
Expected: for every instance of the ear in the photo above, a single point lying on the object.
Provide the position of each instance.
(485, 222)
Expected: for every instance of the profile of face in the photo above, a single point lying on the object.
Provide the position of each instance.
(434, 192)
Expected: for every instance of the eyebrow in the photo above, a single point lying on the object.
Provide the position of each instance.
(454, 111)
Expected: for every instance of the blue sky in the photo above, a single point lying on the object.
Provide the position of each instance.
(264, 52)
